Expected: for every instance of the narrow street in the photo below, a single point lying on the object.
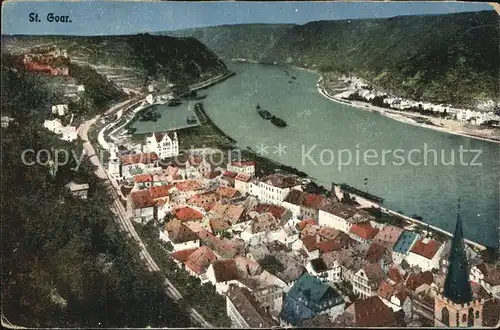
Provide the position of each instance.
(124, 216)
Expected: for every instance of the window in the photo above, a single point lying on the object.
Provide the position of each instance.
(477, 314)
(464, 318)
(471, 317)
(445, 316)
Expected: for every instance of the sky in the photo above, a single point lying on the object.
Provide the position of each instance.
(116, 17)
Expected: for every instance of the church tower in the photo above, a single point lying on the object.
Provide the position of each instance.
(455, 306)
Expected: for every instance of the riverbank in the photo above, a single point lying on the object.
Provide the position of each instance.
(438, 124)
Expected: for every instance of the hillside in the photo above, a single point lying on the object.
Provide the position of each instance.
(238, 41)
(451, 58)
(130, 60)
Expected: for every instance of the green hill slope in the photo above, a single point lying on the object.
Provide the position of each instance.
(178, 60)
(451, 58)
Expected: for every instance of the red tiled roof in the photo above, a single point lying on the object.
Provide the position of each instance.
(242, 164)
(230, 174)
(139, 158)
(182, 255)
(179, 233)
(386, 290)
(188, 214)
(328, 233)
(227, 192)
(141, 178)
(328, 246)
(363, 230)
(243, 177)
(426, 250)
(373, 313)
(301, 225)
(313, 201)
(159, 191)
(225, 270)
(219, 225)
(276, 211)
(142, 199)
(310, 242)
(188, 185)
(375, 252)
(261, 208)
(414, 280)
(200, 260)
(340, 242)
(395, 275)
(214, 174)
(295, 197)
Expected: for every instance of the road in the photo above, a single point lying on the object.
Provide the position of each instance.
(124, 217)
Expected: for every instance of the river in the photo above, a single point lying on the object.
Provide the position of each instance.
(411, 179)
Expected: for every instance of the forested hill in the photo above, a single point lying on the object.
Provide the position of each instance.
(452, 58)
(179, 60)
(64, 263)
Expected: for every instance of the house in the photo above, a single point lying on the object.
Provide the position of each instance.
(281, 214)
(308, 298)
(228, 193)
(394, 296)
(163, 144)
(488, 277)
(310, 244)
(187, 213)
(229, 177)
(138, 163)
(311, 204)
(267, 289)
(181, 236)
(67, 133)
(370, 312)
(6, 120)
(304, 205)
(324, 268)
(223, 273)
(264, 222)
(337, 215)
(426, 254)
(367, 280)
(415, 280)
(242, 167)
(79, 190)
(388, 236)
(143, 180)
(293, 267)
(224, 249)
(403, 246)
(245, 311)
(204, 199)
(363, 232)
(60, 109)
(257, 252)
(198, 262)
(274, 188)
(379, 254)
(242, 183)
(144, 207)
(350, 260)
(181, 256)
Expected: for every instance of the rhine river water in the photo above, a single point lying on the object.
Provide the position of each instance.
(412, 180)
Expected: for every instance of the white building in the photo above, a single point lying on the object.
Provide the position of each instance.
(223, 273)
(242, 167)
(60, 109)
(113, 161)
(69, 133)
(78, 190)
(139, 163)
(163, 144)
(338, 216)
(242, 183)
(425, 253)
(367, 280)
(6, 121)
(274, 188)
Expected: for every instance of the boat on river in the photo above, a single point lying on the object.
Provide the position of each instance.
(278, 121)
(263, 113)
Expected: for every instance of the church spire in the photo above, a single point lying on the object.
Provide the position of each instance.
(456, 286)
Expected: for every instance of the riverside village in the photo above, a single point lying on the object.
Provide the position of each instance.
(170, 210)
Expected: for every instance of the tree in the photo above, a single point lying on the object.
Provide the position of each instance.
(272, 265)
